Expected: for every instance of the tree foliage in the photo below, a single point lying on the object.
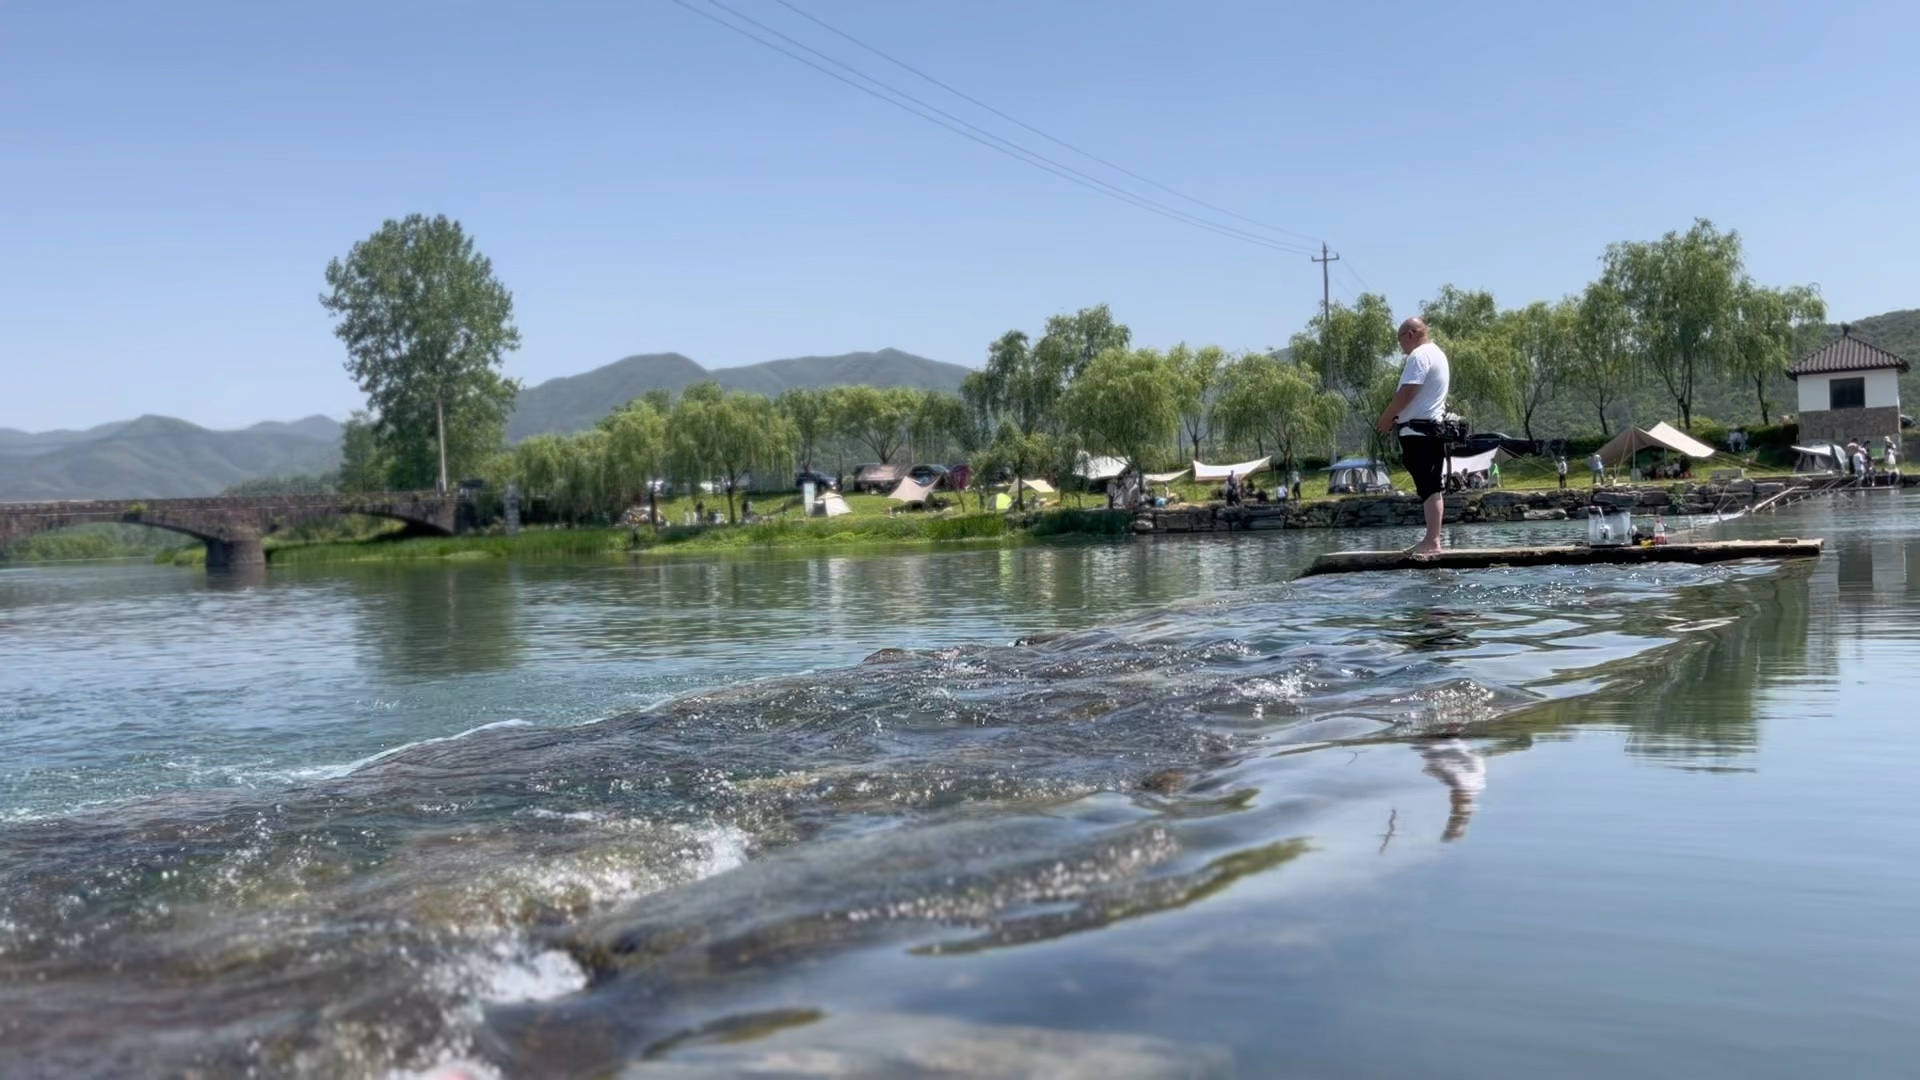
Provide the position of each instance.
(726, 434)
(1125, 402)
(1348, 347)
(1772, 324)
(1196, 376)
(876, 418)
(426, 327)
(1277, 406)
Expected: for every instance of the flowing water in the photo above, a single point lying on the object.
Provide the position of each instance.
(1136, 809)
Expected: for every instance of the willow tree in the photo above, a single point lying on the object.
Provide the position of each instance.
(1600, 362)
(726, 434)
(427, 327)
(636, 449)
(874, 417)
(810, 412)
(1277, 404)
(1771, 321)
(1682, 294)
(1348, 346)
(1197, 375)
(1124, 403)
(1477, 337)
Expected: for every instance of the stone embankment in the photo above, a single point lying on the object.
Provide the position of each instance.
(1361, 512)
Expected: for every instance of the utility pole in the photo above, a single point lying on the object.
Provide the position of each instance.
(1326, 287)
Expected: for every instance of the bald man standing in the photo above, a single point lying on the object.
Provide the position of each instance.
(1421, 402)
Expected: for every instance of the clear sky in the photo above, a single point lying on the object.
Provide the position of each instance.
(176, 176)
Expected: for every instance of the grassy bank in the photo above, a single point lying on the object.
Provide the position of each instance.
(841, 532)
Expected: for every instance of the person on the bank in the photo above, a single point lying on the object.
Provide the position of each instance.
(1415, 411)
(1560, 466)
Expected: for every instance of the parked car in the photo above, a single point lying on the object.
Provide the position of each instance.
(1481, 442)
(935, 475)
(815, 477)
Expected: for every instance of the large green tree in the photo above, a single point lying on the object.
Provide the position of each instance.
(1196, 374)
(1772, 323)
(875, 418)
(1682, 294)
(1468, 326)
(1125, 403)
(1277, 406)
(636, 449)
(427, 327)
(1348, 347)
(1600, 363)
(810, 411)
(726, 434)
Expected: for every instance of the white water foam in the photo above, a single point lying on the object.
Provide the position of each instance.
(335, 772)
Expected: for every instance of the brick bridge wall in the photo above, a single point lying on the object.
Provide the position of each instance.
(232, 528)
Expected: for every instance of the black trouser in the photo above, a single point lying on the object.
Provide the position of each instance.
(1425, 458)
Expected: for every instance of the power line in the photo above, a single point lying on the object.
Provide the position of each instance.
(955, 91)
(1008, 145)
(989, 140)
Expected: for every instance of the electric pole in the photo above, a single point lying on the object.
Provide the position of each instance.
(1326, 287)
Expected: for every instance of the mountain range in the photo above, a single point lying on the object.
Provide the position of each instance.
(161, 457)
(576, 402)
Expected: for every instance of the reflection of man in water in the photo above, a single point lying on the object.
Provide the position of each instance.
(1464, 770)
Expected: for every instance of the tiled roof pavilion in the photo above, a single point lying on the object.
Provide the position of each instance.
(1847, 353)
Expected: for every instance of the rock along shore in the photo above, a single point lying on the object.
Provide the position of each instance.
(1492, 505)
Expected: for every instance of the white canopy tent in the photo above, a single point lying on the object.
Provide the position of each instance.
(1219, 472)
(1662, 436)
(1462, 464)
(832, 505)
(1098, 468)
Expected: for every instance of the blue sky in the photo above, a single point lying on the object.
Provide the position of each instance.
(177, 176)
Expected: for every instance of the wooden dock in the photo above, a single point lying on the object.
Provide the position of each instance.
(1350, 562)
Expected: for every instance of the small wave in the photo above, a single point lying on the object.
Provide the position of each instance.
(335, 772)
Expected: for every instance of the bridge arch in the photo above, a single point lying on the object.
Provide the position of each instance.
(231, 528)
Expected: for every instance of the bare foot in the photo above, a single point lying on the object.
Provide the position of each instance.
(1421, 552)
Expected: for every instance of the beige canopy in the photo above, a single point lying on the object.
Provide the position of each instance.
(1165, 477)
(1662, 436)
(1038, 486)
(910, 491)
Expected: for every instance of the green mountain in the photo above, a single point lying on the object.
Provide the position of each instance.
(576, 402)
(159, 457)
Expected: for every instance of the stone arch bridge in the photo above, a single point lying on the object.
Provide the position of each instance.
(232, 528)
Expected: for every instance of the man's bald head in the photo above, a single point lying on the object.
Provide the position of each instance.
(1413, 334)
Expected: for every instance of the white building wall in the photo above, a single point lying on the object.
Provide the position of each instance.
(1883, 389)
(1813, 393)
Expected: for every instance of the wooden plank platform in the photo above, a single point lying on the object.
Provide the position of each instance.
(1349, 562)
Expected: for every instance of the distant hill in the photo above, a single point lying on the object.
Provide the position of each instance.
(15, 441)
(159, 457)
(576, 402)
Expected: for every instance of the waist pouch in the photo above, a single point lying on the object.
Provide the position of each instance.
(1452, 429)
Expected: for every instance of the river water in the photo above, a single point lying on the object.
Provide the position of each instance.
(1146, 808)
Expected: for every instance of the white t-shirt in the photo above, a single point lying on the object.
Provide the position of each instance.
(1426, 368)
